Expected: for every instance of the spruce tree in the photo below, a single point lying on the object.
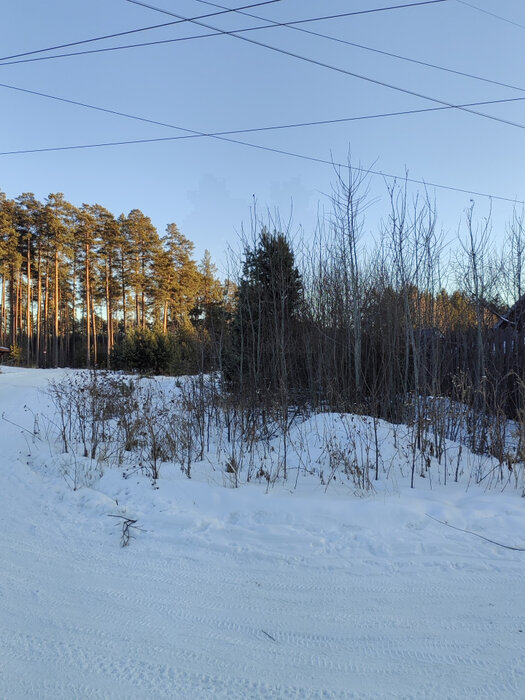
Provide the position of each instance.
(269, 297)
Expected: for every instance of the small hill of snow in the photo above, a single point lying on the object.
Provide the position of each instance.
(301, 590)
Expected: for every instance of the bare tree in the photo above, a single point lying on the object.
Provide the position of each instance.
(350, 200)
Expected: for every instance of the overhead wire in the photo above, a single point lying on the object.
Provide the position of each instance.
(192, 133)
(337, 69)
(217, 32)
(8, 60)
(380, 173)
(292, 25)
(155, 122)
(224, 11)
(371, 49)
(224, 136)
(487, 12)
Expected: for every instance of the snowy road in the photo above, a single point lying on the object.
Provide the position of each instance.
(238, 594)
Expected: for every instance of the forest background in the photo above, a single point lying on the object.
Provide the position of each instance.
(324, 322)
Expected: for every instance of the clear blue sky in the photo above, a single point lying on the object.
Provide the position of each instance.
(221, 83)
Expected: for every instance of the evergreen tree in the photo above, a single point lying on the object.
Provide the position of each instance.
(210, 291)
(59, 222)
(28, 214)
(10, 269)
(143, 244)
(182, 280)
(269, 296)
(111, 241)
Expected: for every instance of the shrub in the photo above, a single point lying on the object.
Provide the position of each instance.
(146, 352)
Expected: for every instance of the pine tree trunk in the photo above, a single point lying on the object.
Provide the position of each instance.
(29, 319)
(88, 311)
(94, 326)
(56, 329)
(109, 319)
(3, 313)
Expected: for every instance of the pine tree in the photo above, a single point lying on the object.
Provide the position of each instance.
(59, 221)
(111, 241)
(143, 244)
(10, 268)
(28, 213)
(183, 284)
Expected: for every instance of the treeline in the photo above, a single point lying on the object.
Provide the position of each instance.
(79, 286)
(345, 326)
(330, 323)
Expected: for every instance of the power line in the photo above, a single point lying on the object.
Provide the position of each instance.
(291, 25)
(442, 103)
(250, 130)
(119, 48)
(223, 136)
(191, 133)
(486, 12)
(371, 49)
(146, 120)
(273, 24)
(224, 10)
(359, 12)
(302, 156)
(217, 32)
(332, 163)
(343, 71)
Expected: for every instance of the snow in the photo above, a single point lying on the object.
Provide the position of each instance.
(307, 592)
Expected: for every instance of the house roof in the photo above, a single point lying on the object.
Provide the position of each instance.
(515, 316)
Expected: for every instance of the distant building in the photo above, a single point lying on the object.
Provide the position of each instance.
(514, 318)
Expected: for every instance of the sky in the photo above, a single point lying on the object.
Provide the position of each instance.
(210, 186)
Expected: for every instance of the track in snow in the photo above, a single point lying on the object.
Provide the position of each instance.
(234, 594)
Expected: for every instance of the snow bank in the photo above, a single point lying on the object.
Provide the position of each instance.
(307, 592)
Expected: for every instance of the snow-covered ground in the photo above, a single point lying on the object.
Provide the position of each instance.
(307, 592)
